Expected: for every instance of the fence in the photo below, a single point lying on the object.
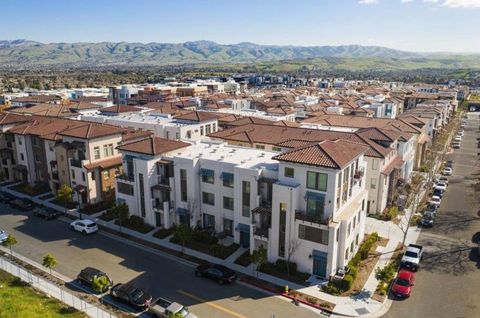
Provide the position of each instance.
(53, 290)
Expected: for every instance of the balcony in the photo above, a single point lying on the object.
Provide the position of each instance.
(55, 175)
(126, 177)
(313, 219)
(261, 232)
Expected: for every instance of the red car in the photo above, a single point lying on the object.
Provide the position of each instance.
(402, 286)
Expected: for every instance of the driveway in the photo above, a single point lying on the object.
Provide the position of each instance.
(448, 282)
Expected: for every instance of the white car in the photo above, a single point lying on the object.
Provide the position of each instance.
(435, 200)
(447, 171)
(460, 133)
(85, 226)
(3, 236)
(443, 179)
(441, 186)
(458, 138)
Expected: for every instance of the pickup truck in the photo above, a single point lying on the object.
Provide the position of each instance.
(163, 308)
(411, 258)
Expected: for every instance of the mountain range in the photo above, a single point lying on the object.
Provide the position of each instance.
(25, 53)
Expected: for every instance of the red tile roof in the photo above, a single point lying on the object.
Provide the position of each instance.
(153, 146)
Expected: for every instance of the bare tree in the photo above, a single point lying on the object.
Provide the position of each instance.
(292, 247)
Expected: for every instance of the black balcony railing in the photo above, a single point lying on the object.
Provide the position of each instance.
(317, 219)
(76, 163)
(126, 177)
(261, 231)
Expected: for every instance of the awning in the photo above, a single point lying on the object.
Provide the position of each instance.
(182, 211)
(315, 196)
(319, 255)
(104, 164)
(395, 164)
(206, 173)
(243, 227)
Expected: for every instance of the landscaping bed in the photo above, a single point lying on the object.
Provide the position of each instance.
(245, 259)
(309, 300)
(163, 233)
(280, 269)
(70, 205)
(30, 190)
(203, 242)
(97, 207)
(387, 274)
(136, 223)
(18, 299)
(107, 216)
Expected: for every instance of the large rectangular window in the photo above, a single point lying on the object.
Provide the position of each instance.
(228, 179)
(246, 198)
(208, 198)
(124, 188)
(208, 176)
(282, 229)
(183, 185)
(313, 234)
(315, 205)
(317, 180)
(228, 203)
(142, 194)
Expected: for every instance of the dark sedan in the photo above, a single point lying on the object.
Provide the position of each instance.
(46, 213)
(23, 204)
(219, 273)
(131, 295)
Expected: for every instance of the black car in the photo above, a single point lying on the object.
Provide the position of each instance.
(427, 219)
(89, 274)
(6, 197)
(438, 192)
(22, 204)
(432, 208)
(131, 295)
(449, 164)
(46, 213)
(216, 272)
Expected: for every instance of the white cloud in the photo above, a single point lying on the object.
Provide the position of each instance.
(367, 1)
(406, 1)
(462, 3)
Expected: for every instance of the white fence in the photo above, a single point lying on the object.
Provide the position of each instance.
(53, 290)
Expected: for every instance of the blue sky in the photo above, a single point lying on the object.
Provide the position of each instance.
(414, 25)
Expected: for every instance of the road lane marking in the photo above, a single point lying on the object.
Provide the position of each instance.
(211, 304)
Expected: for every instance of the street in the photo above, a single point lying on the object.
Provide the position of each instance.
(448, 282)
(162, 276)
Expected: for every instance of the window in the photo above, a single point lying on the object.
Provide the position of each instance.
(73, 173)
(110, 149)
(374, 164)
(246, 198)
(20, 140)
(346, 254)
(201, 130)
(356, 239)
(22, 157)
(228, 203)
(93, 176)
(208, 198)
(315, 205)
(142, 194)
(50, 146)
(183, 185)
(359, 215)
(363, 207)
(106, 174)
(373, 183)
(207, 129)
(317, 181)
(228, 179)
(83, 176)
(214, 127)
(289, 172)
(349, 228)
(177, 136)
(260, 146)
(312, 234)
(37, 157)
(338, 234)
(35, 141)
(276, 148)
(105, 150)
(351, 247)
(208, 176)
(282, 229)
(354, 221)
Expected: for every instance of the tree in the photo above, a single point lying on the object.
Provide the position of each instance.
(259, 257)
(9, 242)
(65, 196)
(292, 247)
(100, 284)
(49, 261)
(182, 234)
(175, 315)
(122, 213)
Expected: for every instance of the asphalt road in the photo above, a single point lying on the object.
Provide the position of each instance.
(448, 282)
(161, 275)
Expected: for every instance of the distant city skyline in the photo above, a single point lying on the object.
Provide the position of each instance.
(411, 25)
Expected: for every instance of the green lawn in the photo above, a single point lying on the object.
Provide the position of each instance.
(19, 300)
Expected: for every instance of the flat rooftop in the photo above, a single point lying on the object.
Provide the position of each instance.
(242, 157)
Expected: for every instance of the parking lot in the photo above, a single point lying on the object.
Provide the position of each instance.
(160, 275)
(448, 282)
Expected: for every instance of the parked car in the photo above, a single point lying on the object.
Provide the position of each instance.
(458, 138)
(22, 204)
(131, 295)
(411, 258)
(456, 145)
(216, 272)
(46, 213)
(6, 197)
(402, 286)
(3, 236)
(85, 226)
(447, 171)
(443, 179)
(427, 219)
(435, 200)
(89, 274)
(440, 185)
(163, 308)
(460, 133)
(432, 208)
(449, 164)
(438, 192)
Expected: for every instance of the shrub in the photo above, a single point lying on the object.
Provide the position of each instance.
(245, 259)
(311, 300)
(331, 289)
(355, 260)
(353, 272)
(204, 238)
(136, 221)
(347, 282)
(374, 236)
